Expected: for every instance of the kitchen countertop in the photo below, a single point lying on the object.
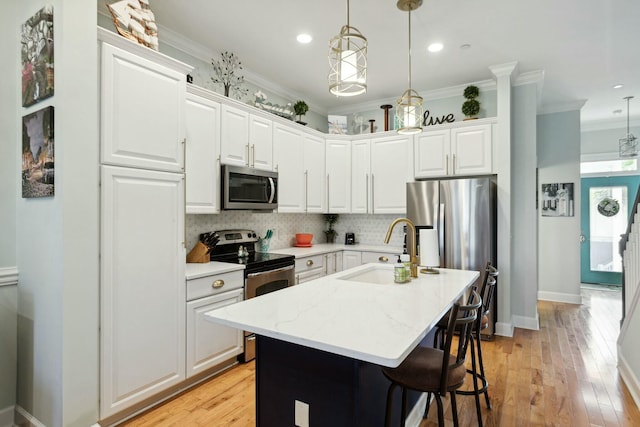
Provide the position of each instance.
(323, 248)
(197, 270)
(377, 323)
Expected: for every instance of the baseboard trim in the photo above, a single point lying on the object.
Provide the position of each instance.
(523, 322)
(559, 297)
(8, 276)
(504, 329)
(25, 419)
(629, 378)
(6, 416)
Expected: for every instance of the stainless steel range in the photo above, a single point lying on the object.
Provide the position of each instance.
(264, 272)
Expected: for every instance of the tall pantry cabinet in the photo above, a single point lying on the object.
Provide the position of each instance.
(142, 240)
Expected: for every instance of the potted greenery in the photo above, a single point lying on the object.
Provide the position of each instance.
(330, 233)
(471, 107)
(300, 108)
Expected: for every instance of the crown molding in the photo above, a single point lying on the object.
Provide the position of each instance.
(8, 276)
(506, 69)
(563, 107)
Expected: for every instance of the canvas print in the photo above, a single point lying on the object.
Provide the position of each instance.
(557, 199)
(37, 57)
(37, 154)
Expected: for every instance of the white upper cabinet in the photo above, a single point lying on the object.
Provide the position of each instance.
(202, 165)
(361, 176)
(314, 167)
(142, 112)
(391, 169)
(471, 147)
(246, 139)
(338, 176)
(465, 150)
(288, 152)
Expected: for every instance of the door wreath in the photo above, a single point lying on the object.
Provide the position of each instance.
(608, 207)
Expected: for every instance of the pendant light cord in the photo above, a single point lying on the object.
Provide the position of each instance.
(410, 50)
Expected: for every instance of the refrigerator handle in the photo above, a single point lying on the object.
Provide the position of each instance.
(441, 225)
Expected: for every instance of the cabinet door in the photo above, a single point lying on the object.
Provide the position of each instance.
(380, 258)
(287, 149)
(208, 343)
(142, 319)
(314, 167)
(142, 112)
(351, 259)
(432, 150)
(333, 262)
(338, 176)
(202, 166)
(391, 169)
(260, 142)
(307, 276)
(234, 136)
(360, 176)
(471, 148)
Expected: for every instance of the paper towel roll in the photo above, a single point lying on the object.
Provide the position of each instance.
(429, 250)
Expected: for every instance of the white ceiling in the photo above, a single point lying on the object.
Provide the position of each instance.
(583, 47)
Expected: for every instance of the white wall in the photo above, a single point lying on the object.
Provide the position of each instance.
(524, 259)
(9, 40)
(604, 141)
(57, 248)
(558, 237)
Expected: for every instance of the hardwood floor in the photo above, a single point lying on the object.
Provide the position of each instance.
(562, 375)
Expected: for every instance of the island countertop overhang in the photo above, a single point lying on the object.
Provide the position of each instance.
(376, 323)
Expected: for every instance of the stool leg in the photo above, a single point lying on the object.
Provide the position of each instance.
(426, 409)
(387, 417)
(474, 374)
(440, 410)
(481, 363)
(454, 408)
(403, 411)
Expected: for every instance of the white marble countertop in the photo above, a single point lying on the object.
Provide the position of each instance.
(323, 248)
(197, 270)
(377, 323)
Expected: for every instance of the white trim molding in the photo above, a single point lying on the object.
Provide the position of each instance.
(22, 417)
(8, 276)
(7, 416)
(559, 297)
(524, 322)
(629, 378)
(504, 329)
(562, 107)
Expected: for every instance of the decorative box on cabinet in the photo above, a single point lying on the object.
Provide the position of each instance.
(202, 152)
(210, 344)
(246, 139)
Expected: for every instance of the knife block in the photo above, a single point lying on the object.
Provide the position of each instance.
(199, 254)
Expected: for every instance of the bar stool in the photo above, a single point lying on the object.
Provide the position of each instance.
(487, 292)
(433, 370)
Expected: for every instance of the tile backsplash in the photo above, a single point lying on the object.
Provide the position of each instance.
(369, 229)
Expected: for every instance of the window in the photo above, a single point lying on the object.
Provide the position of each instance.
(609, 166)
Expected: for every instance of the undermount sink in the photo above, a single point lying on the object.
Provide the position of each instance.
(379, 274)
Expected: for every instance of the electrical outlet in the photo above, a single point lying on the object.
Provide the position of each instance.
(301, 414)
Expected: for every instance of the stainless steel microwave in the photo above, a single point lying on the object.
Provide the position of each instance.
(249, 188)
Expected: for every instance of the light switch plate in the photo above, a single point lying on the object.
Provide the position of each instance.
(301, 414)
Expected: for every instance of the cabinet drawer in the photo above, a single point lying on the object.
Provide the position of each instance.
(379, 257)
(215, 284)
(310, 262)
(305, 276)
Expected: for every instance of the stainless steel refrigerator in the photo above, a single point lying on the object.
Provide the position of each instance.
(463, 210)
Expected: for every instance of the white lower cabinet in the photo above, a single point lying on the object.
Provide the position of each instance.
(351, 259)
(309, 268)
(333, 261)
(142, 316)
(378, 257)
(208, 343)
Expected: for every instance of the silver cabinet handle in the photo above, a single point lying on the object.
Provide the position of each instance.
(328, 206)
(454, 165)
(217, 284)
(366, 201)
(446, 164)
(306, 190)
(248, 162)
(253, 155)
(326, 264)
(373, 193)
(383, 259)
(309, 263)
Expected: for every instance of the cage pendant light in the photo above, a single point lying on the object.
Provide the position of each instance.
(348, 61)
(409, 108)
(628, 144)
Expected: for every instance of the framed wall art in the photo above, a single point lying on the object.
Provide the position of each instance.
(38, 158)
(37, 57)
(557, 199)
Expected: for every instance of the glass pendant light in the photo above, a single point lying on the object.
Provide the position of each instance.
(628, 144)
(409, 108)
(348, 61)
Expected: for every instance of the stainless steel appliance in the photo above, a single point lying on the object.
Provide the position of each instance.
(248, 188)
(463, 210)
(264, 272)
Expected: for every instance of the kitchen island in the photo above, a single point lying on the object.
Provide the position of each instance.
(323, 342)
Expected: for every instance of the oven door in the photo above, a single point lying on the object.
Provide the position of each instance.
(248, 188)
(261, 283)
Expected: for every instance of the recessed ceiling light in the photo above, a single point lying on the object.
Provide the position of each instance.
(465, 46)
(435, 47)
(304, 38)
(618, 86)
